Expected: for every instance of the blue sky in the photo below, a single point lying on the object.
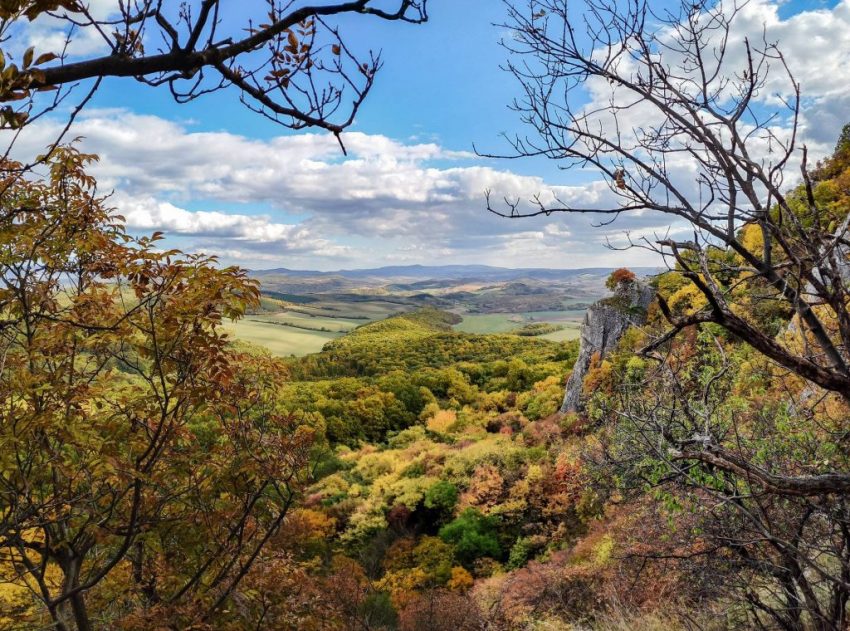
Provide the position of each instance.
(441, 82)
(441, 78)
(218, 178)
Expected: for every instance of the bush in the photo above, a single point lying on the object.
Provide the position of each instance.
(520, 552)
(442, 496)
(378, 608)
(474, 535)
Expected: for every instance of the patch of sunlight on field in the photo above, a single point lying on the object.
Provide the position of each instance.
(570, 315)
(376, 309)
(490, 322)
(359, 311)
(280, 340)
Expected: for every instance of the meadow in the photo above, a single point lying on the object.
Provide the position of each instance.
(297, 329)
(280, 340)
(305, 328)
(505, 322)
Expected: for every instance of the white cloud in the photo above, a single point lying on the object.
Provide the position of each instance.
(815, 50)
(258, 234)
(396, 200)
(390, 193)
(51, 34)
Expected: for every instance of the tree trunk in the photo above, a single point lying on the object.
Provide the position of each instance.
(81, 616)
(79, 613)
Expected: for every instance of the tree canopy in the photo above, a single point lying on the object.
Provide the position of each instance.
(126, 414)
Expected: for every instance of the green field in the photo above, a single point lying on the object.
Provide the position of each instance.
(334, 325)
(490, 323)
(504, 322)
(570, 315)
(280, 340)
(270, 329)
(373, 309)
(569, 332)
(287, 330)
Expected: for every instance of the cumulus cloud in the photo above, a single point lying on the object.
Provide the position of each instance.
(220, 231)
(813, 46)
(408, 200)
(296, 198)
(51, 34)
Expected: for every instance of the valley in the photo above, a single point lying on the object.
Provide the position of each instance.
(301, 311)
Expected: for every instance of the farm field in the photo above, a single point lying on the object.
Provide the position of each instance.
(504, 322)
(334, 307)
(569, 332)
(489, 322)
(296, 319)
(570, 315)
(299, 324)
(270, 328)
(280, 340)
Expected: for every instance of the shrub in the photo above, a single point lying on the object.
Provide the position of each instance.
(520, 552)
(440, 610)
(442, 496)
(474, 535)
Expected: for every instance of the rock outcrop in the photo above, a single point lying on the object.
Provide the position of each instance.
(603, 326)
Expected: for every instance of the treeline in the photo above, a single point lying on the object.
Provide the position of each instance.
(537, 328)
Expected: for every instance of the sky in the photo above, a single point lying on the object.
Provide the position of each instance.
(217, 178)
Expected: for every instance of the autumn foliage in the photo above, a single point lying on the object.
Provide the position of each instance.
(408, 476)
(127, 415)
(621, 277)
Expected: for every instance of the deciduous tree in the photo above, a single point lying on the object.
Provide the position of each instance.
(670, 107)
(144, 462)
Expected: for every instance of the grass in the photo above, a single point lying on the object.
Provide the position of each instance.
(278, 329)
(344, 309)
(490, 323)
(269, 328)
(336, 325)
(504, 322)
(280, 340)
(570, 315)
(567, 333)
(376, 309)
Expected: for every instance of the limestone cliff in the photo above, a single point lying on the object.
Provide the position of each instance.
(603, 326)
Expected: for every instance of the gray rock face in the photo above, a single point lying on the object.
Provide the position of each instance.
(603, 326)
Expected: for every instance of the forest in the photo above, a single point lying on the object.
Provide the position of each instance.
(451, 458)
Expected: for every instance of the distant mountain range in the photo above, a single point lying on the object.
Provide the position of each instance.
(455, 272)
(467, 288)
